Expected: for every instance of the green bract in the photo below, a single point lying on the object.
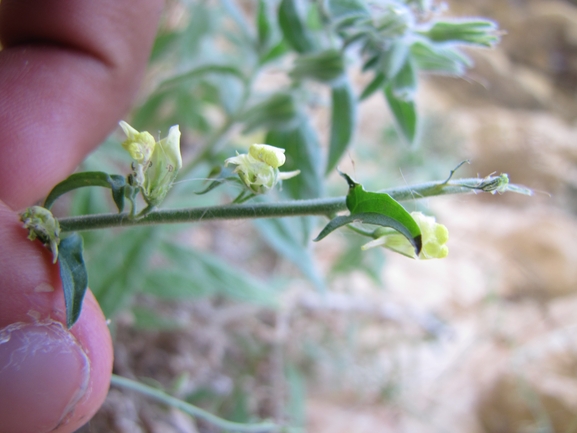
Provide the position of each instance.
(434, 238)
(163, 167)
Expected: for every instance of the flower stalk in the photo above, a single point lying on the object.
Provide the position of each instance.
(323, 207)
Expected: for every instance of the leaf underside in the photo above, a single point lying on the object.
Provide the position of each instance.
(74, 276)
(374, 219)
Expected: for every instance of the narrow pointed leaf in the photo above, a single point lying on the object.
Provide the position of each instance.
(376, 83)
(218, 178)
(293, 27)
(342, 122)
(90, 178)
(405, 114)
(303, 153)
(373, 218)
(73, 275)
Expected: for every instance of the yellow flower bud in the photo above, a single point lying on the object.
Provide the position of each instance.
(41, 224)
(270, 155)
(140, 145)
(158, 163)
(258, 169)
(163, 167)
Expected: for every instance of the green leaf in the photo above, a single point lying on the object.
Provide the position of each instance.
(90, 178)
(119, 266)
(264, 23)
(197, 274)
(293, 26)
(201, 71)
(376, 83)
(325, 66)
(394, 59)
(473, 31)
(439, 59)
(340, 9)
(404, 112)
(73, 275)
(282, 235)
(353, 258)
(303, 153)
(274, 53)
(342, 122)
(218, 177)
(404, 83)
(377, 209)
(279, 111)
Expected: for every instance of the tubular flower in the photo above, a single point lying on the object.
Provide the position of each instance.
(258, 169)
(434, 237)
(140, 145)
(157, 163)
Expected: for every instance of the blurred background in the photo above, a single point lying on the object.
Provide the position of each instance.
(483, 341)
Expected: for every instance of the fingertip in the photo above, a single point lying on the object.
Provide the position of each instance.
(50, 368)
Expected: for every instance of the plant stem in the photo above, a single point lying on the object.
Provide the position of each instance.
(190, 409)
(325, 206)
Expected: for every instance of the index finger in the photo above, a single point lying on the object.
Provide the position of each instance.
(68, 71)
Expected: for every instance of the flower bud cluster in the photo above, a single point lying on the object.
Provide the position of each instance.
(258, 169)
(156, 164)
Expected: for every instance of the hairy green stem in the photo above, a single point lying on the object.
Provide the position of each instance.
(325, 207)
(190, 409)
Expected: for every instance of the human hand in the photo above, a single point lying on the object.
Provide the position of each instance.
(68, 72)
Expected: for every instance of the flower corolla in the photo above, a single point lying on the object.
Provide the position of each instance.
(258, 169)
(157, 163)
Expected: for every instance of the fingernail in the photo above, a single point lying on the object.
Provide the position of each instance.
(43, 374)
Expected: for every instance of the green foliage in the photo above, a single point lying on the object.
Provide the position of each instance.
(115, 182)
(73, 275)
(230, 77)
(377, 209)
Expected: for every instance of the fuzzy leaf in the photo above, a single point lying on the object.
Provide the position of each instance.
(74, 276)
(90, 178)
(404, 112)
(342, 122)
(293, 27)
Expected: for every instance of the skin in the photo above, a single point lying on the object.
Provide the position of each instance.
(69, 71)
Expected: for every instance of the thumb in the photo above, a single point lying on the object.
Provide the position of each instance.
(52, 379)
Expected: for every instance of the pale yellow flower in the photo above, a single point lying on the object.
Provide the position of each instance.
(140, 145)
(158, 163)
(258, 169)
